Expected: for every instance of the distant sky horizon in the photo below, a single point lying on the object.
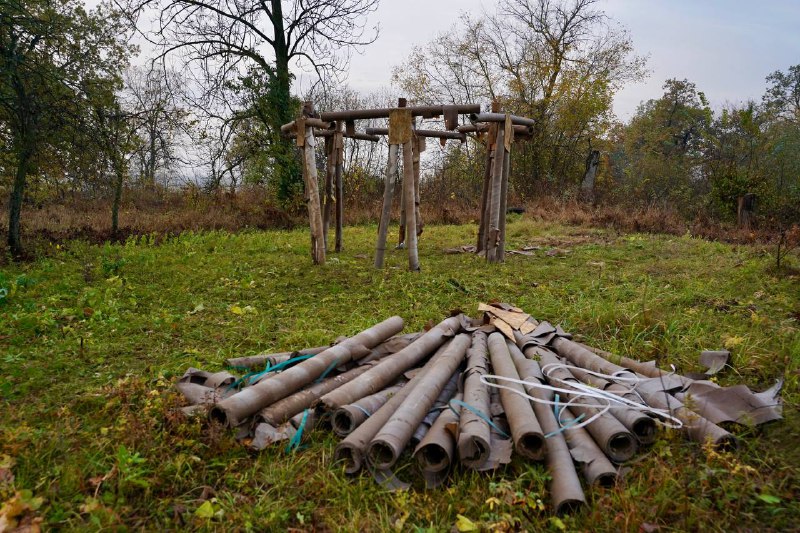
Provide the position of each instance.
(726, 47)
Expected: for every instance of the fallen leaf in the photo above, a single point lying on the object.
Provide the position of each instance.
(465, 524)
(768, 498)
(206, 510)
(91, 505)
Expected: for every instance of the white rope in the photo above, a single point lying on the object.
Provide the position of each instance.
(577, 391)
(615, 378)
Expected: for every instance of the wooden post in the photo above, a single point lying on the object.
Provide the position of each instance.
(386, 213)
(508, 140)
(504, 207)
(419, 147)
(312, 191)
(495, 203)
(408, 194)
(745, 208)
(401, 132)
(401, 239)
(487, 180)
(330, 168)
(338, 142)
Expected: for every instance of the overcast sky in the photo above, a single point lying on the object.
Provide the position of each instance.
(727, 47)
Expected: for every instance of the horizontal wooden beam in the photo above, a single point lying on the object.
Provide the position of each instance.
(313, 122)
(525, 131)
(436, 134)
(501, 117)
(426, 111)
(329, 133)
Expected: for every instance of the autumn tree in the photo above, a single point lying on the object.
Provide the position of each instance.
(559, 62)
(664, 145)
(781, 201)
(54, 56)
(735, 158)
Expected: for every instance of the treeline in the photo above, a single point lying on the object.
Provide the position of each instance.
(78, 121)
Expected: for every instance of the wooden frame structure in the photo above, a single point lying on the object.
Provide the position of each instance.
(500, 131)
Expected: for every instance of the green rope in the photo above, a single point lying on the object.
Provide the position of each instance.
(564, 427)
(294, 443)
(477, 413)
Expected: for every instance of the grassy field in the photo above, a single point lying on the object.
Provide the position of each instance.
(93, 337)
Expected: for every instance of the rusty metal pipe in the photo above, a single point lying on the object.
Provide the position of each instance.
(386, 447)
(347, 418)
(391, 368)
(525, 429)
(282, 410)
(234, 410)
(259, 361)
(351, 450)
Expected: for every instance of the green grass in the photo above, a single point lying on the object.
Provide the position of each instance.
(92, 338)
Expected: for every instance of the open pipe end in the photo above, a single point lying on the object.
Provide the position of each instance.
(532, 446)
(474, 452)
(727, 443)
(381, 455)
(645, 430)
(606, 480)
(621, 447)
(570, 506)
(342, 422)
(433, 458)
(218, 415)
(349, 455)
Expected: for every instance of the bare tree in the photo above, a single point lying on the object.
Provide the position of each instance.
(557, 61)
(251, 46)
(152, 98)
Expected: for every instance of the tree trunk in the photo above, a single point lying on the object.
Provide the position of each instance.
(587, 186)
(401, 238)
(288, 178)
(312, 196)
(15, 202)
(120, 175)
(746, 206)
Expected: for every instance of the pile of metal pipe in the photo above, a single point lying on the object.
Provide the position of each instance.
(466, 394)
